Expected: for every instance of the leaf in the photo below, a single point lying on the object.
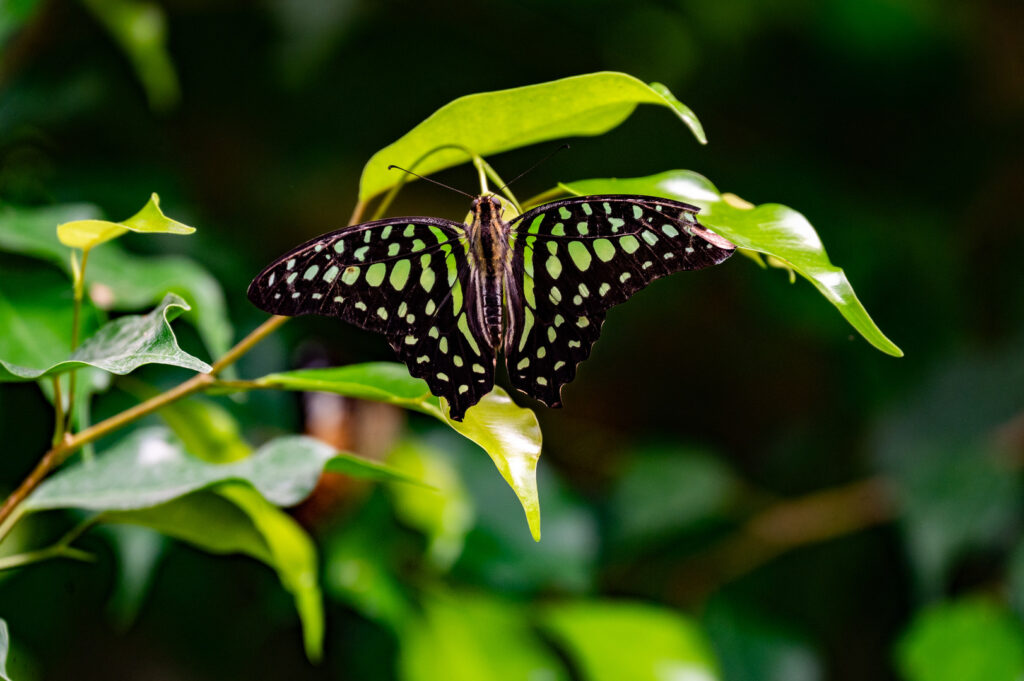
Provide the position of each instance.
(965, 640)
(5, 642)
(140, 29)
(508, 433)
(358, 467)
(35, 318)
(471, 638)
(1015, 579)
(150, 466)
(665, 490)
(663, 645)
(445, 513)
(205, 428)
(754, 648)
(770, 228)
(138, 552)
(121, 346)
(492, 122)
(235, 519)
(87, 234)
(116, 279)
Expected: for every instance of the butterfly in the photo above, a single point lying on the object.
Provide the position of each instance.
(449, 296)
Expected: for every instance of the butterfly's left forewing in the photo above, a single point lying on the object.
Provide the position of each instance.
(572, 260)
(406, 278)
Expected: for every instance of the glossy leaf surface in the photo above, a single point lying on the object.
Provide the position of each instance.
(772, 229)
(492, 122)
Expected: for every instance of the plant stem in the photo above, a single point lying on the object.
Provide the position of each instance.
(58, 407)
(71, 443)
(79, 293)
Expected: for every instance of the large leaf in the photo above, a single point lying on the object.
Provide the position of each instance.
(150, 467)
(121, 346)
(89, 233)
(662, 645)
(235, 519)
(116, 279)
(508, 433)
(460, 637)
(966, 640)
(492, 122)
(770, 228)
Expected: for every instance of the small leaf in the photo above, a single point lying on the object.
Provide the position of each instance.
(118, 280)
(121, 346)
(508, 433)
(87, 234)
(770, 228)
(965, 640)
(149, 467)
(235, 519)
(5, 642)
(474, 638)
(662, 644)
(492, 122)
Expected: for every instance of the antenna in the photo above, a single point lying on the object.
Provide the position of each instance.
(440, 184)
(561, 148)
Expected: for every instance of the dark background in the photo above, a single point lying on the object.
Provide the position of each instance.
(895, 126)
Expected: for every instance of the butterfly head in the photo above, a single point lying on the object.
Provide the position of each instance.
(487, 208)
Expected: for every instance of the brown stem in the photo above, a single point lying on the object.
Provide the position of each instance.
(71, 443)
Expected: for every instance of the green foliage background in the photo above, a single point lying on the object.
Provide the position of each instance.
(711, 402)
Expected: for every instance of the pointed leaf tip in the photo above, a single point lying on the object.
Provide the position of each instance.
(86, 234)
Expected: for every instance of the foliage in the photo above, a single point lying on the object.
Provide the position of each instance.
(427, 551)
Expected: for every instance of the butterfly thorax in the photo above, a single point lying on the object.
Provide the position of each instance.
(489, 260)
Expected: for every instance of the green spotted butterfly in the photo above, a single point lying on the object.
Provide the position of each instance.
(448, 296)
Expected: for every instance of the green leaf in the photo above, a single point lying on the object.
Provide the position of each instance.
(150, 466)
(116, 279)
(120, 346)
(663, 645)
(966, 640)
(665, 490)
(492, 122)
(1015, 579)
(508, 433)
(235, 519)
(36, 318)
(445, 513)
(754, 648)
(5, 642)
(140, 29)
(358, 467)
(472, 638)
(206, 429)
(771, 228)
(87, 234)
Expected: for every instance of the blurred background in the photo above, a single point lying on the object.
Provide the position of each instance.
(732, 452)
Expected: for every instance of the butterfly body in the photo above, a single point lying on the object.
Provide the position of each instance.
(450, 296)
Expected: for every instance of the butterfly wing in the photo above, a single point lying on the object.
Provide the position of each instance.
(406, 278)
(572, 260)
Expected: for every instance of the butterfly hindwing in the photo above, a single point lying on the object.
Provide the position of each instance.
(572, 260)
(405, 278)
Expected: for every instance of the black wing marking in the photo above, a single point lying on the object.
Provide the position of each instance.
(572, 260)
(403, 277)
